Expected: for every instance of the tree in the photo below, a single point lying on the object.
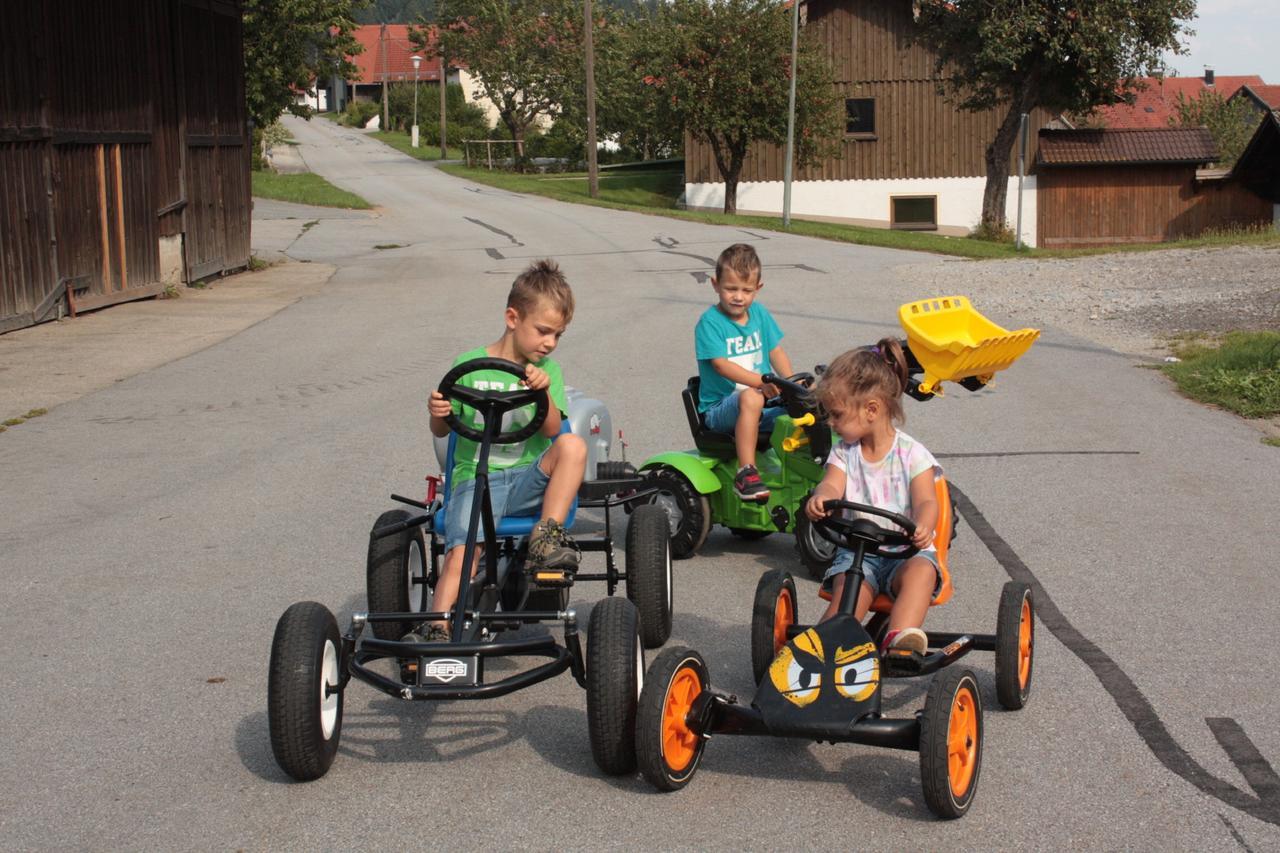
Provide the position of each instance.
(526, 54)
(1231, 121)
(288, 44)
(721, 72)
(1062, 55)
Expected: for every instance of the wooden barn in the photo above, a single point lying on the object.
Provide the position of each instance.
(124, 153)
(1100, 187)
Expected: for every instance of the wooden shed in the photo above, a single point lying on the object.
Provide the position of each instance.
(1099, 187)
(124, 152)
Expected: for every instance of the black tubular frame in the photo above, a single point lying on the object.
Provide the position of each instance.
(715, 714)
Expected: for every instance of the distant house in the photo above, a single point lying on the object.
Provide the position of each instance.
(910, 159)
(1265, 98)
(1155, 102)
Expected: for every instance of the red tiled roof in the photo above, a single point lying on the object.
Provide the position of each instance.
(1126, 145)
(396, 48)
(1158, 102)
(1269, 94)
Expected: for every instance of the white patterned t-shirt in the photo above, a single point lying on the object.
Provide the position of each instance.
(885, 484)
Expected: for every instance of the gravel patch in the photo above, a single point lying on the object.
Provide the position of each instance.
(1132, 302)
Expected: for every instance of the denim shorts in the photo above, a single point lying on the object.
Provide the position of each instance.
(723, 416)
(878, 571)
(512, 491)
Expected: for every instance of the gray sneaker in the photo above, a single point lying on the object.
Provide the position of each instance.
(551, 547)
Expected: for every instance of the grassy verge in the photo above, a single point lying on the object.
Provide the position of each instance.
(1240, 373)
(400, 142)
(305, 188)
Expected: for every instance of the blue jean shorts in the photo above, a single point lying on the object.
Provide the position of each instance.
(723, 416)
(878, 571)
(512, 491)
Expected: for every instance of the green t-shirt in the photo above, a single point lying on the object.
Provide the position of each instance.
(467, 452)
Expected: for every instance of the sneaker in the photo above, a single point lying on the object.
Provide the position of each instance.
(551, 547)
(908, 639)
(427, 632)
(748, 485)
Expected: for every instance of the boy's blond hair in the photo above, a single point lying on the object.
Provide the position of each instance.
(541, 282)
(742, 259)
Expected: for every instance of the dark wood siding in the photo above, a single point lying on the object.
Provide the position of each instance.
(1105, 205)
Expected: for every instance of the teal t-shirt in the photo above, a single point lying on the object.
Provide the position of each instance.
(748, 345)
(467, 452)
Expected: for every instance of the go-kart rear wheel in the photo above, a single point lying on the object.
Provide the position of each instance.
(649, 573)
(396, 575)
(304, 699)
(615, 675)
(773, 612)
(688, 512)
(1015, 645)
(816, 553)
(668, 750)
(951, 743)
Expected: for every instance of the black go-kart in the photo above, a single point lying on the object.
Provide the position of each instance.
(312, 662)
(823, 682)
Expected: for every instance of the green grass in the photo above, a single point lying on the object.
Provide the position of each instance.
(400, 142)
(1241, 373)
(305, 188)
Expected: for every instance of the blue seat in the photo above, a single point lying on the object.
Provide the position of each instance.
(511, 525)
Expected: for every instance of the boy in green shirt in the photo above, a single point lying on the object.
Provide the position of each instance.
(543, 472)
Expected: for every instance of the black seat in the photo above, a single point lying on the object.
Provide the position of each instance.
(708, 442)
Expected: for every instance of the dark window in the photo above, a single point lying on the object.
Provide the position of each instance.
(914, 213)
(860, 116)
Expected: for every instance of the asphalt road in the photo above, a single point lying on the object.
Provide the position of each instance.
(152, 533)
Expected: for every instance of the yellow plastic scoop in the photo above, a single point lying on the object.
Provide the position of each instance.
(952, 341)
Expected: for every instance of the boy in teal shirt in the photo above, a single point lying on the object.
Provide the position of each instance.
(736, 342)
(542, 473)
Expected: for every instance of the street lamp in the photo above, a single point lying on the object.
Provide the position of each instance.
(417, 60)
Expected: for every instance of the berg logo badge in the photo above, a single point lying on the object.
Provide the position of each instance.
(445, 669)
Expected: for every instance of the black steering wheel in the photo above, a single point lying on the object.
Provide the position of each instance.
(852, 532)
(492, 404)
(792, 391)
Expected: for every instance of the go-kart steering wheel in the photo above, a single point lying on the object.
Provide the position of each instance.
(878, 541)
(793, 389)
(493, 403)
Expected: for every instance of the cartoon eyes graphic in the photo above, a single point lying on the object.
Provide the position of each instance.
(858, 680)
(799, 679)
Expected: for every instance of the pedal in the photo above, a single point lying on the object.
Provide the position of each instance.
(408, 671)
(902, 661)
(551, 578)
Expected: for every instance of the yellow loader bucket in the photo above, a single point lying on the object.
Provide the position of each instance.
(952, 341)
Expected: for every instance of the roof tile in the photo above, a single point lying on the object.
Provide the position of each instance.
(1132, 145)
(1155, 105)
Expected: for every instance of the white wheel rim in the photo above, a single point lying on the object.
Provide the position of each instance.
(639, 666)
(666, 550)
(329, 690)
(415, 576)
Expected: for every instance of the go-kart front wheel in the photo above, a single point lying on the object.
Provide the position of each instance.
(304, 697)
(615, 675)
(667, 749)
(396, 575)
(951, 743)
(1015, 645)
(688, 511)
(649, 573)
(772, 614)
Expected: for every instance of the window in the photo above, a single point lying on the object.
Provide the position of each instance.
(860, 117)
(914, 212)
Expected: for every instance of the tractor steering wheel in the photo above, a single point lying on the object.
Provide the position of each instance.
(493, 403)
(850, 532)
(792, 391)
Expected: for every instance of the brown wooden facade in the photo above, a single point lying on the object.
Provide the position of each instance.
(124, 160)
(919, 134)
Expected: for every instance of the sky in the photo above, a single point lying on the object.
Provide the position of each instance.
(1235, 37)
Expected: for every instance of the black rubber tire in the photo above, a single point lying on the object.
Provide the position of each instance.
(615, 675)
(649, 573)
(764, 647)
(935, 768)
(649, 719)
(306, 646)
(691, 520)
(1012, 690)
(391, 564)
(748, 534)
(816, 553)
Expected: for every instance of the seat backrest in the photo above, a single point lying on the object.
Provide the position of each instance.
(690, 397)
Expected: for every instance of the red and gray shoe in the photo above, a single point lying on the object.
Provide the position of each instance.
(748, 485)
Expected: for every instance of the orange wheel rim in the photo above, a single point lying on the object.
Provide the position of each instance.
(962, 741)
(1024, 644)
(784, 616)
(678, 742)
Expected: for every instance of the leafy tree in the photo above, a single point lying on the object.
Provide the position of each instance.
(720, 70)
(396, 11)
(526, 54)
(290, 43)
(1062, 56)
(1231, 121)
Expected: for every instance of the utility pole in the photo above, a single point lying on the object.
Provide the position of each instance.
(593, 171)
(444, 86)
(791, 117)
(382, 44)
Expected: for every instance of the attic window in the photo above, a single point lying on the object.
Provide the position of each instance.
(1149, 109)
(860, 118)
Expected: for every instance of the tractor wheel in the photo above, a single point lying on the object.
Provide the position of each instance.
(688, 512)
(816, 553)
